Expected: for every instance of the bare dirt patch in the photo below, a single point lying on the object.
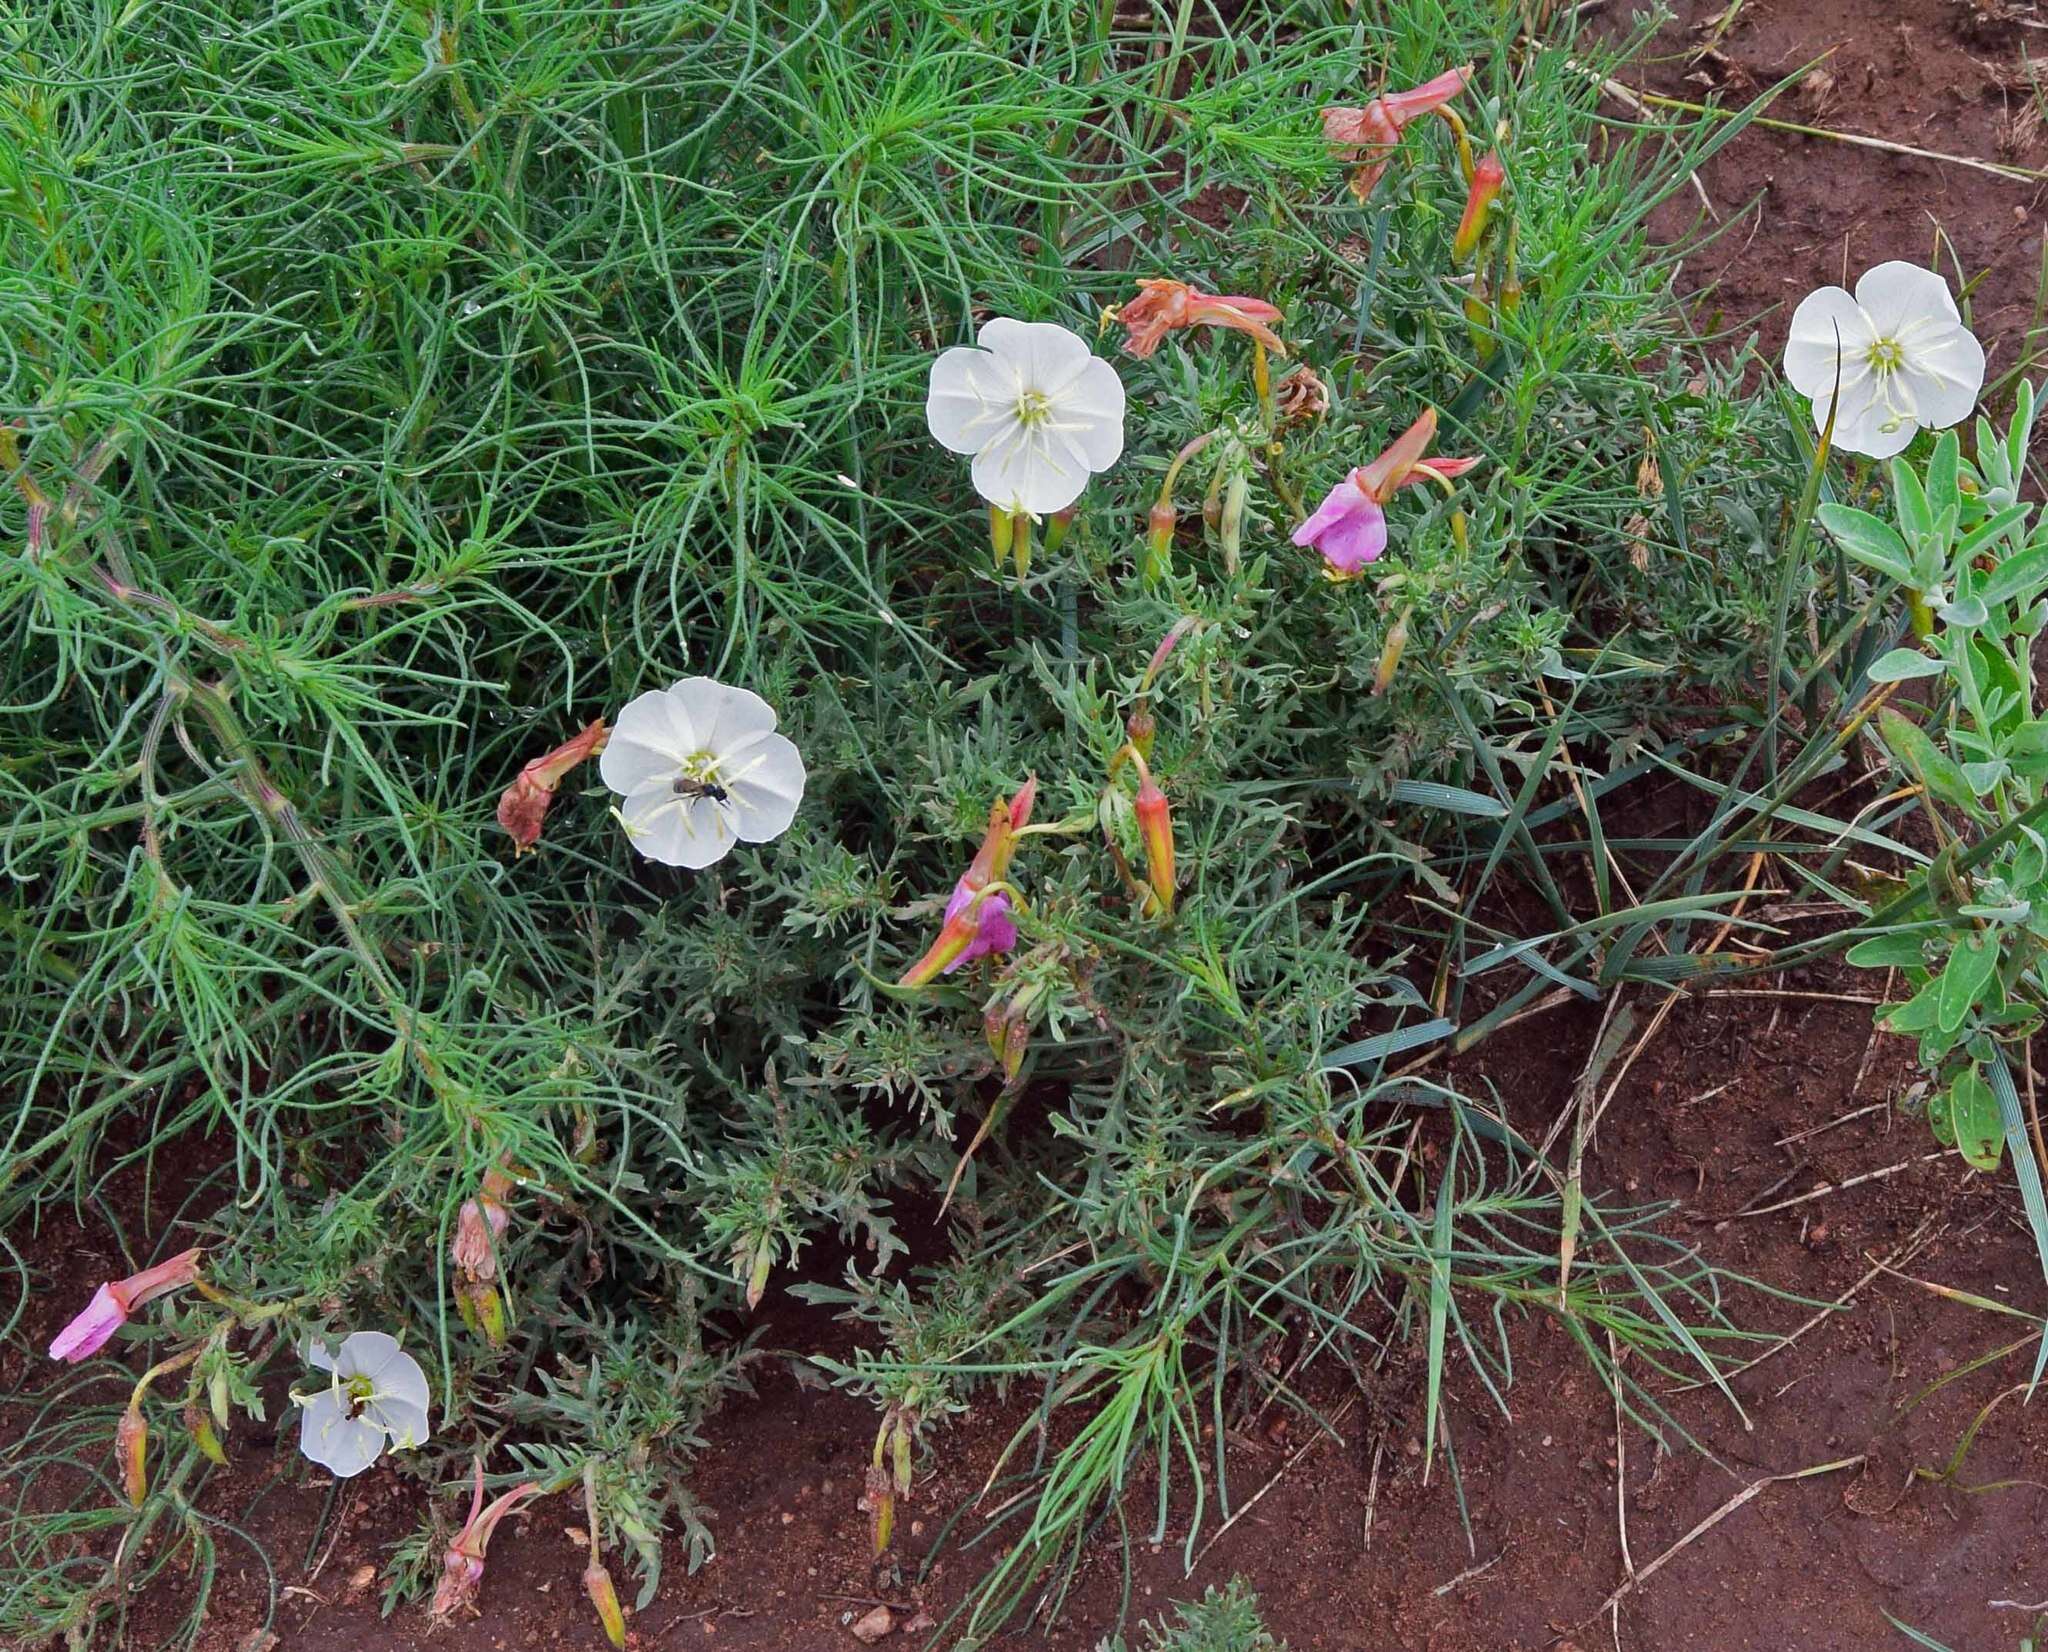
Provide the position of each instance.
(1950, 76)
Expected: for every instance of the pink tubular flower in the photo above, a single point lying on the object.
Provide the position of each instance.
(1349, 528)
(114, 1301)
(1365, 138)
(1163, 307)
(462, 1566)
(978, 920)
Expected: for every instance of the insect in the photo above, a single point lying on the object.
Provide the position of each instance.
(686, 787)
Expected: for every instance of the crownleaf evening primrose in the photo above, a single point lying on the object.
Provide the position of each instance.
(1039, 411)
(376, 1397)
(111, 1305)
(1900, 352)
(1163, 307)
(1349, 528)
(699, 767)
(1365, 139)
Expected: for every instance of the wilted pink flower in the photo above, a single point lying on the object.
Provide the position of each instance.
(1365, 138)
(1349, 528)
(994, 929)
(113, 1302)
(478, 1226)
(524, 804)
(1163, 307)
(462, 1566)
(1299, 397)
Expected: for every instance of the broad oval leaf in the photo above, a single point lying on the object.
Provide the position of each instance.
(1903, 664)
(1870, 540)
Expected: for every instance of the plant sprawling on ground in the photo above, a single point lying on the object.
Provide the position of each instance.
(391, 391)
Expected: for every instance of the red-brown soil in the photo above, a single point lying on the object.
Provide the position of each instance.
(1705, 1118)
(1701, 1119)
(1796, 212)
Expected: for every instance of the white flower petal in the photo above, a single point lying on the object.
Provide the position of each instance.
(1945, 369)
(973, 394)
(1091, 412)
(644, 738)
(691, 832)
(320, 1354)
(742, 715)
(1897, 294)
(339, 1443)
(1023, 470)
(403, 1380)
(1044, 355)
(1827, 322)
(627, 765)
(765, 790)
(695, 705)
(367, 1353)
(1867, 424)
(403, 1423)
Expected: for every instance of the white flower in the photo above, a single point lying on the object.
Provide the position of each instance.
(1906, 358)
(699, 767)
(377, 1397)
(1035, 406)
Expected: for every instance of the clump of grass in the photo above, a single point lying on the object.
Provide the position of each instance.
(392, 391)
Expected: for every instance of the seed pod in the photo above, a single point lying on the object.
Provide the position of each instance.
(597, 1584)
(200, 1427)
(131, 1451)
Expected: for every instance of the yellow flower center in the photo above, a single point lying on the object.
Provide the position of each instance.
(1886, 356)
(1033, 408)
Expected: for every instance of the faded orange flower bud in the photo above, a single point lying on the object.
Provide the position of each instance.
(524, 804)
(597, 1584)
(200, 1426)
(1155, 829)
(1487, 178)
(1007, 1027)
(131, 1451)
(1159, 526)
(1056, 526)
(1390, 655)
(1143, 729)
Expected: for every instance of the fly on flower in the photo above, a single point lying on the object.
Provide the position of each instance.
(699, 767)
(1349, 528)
(376, 1397)
(1899, 351)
